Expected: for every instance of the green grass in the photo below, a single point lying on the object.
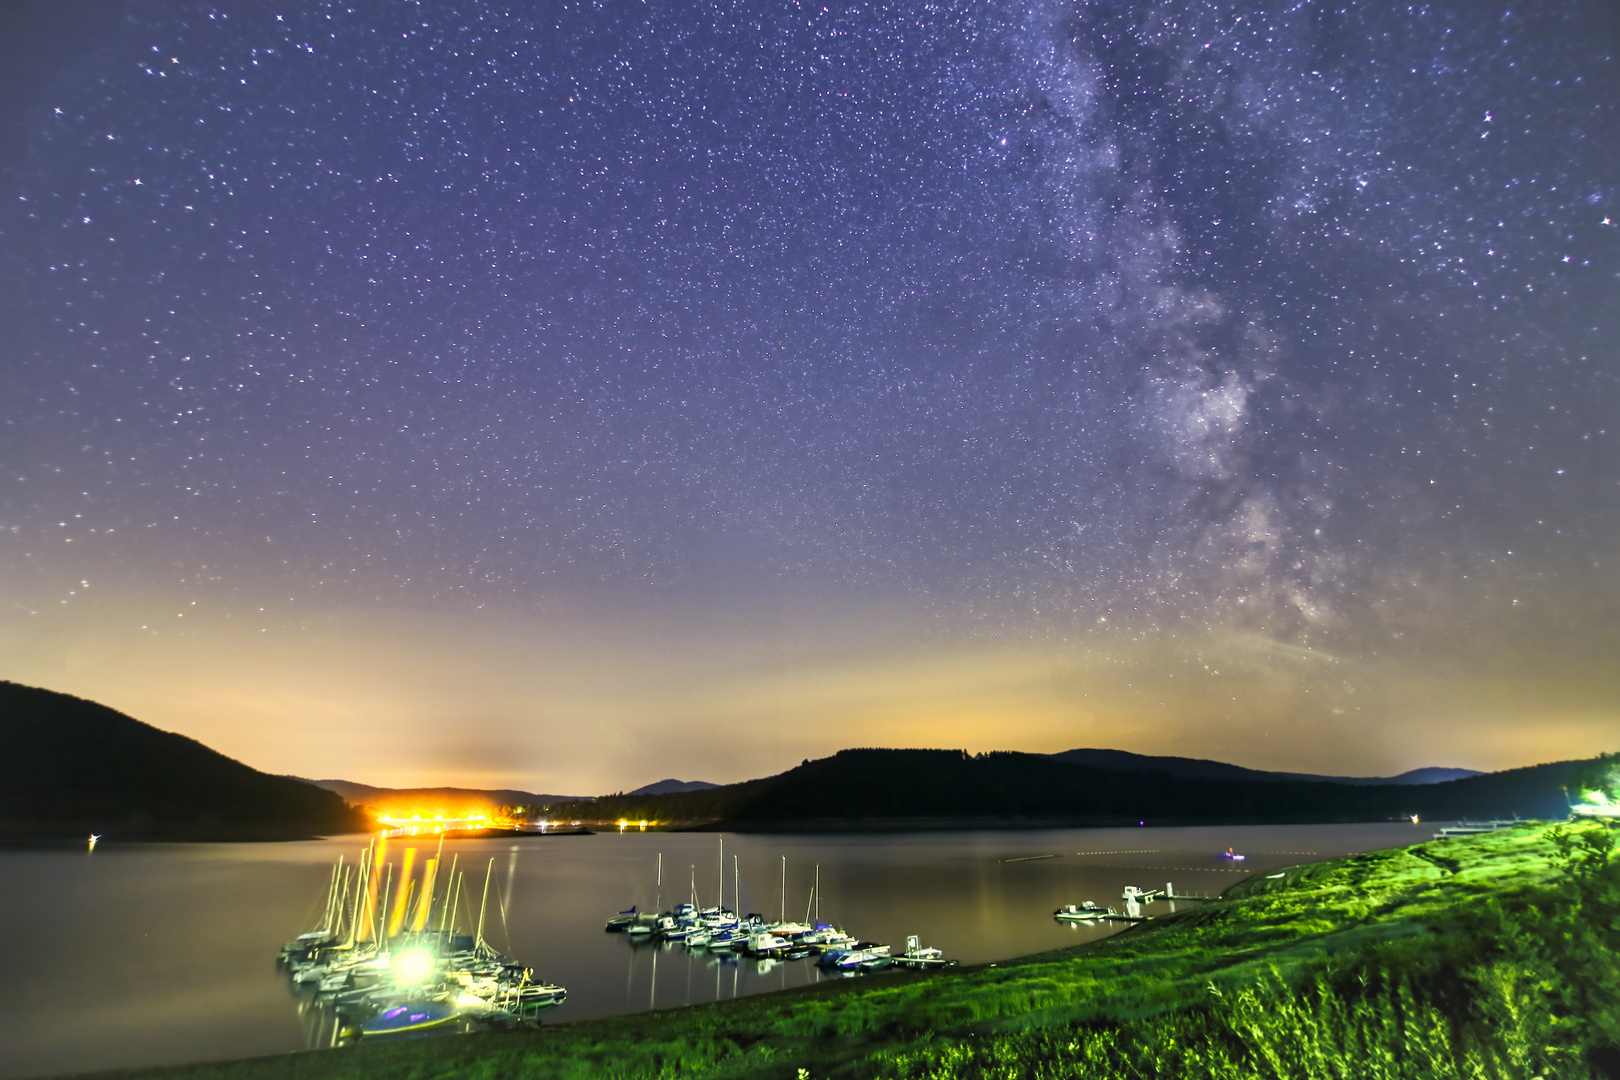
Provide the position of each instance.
(1486, 957)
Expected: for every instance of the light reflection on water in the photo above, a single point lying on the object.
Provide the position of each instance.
(157, 954)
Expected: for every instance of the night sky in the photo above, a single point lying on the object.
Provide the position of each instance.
(568, 395)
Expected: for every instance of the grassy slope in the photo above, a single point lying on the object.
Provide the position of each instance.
(1345, 960)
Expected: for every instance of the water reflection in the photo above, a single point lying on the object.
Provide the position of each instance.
(198, 927)
(666, 974)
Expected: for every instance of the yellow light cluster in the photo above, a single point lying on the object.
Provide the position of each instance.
(439, 821)
(418, 816)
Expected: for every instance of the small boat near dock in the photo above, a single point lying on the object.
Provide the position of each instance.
(1084, 912)
(921, 957)
(1090, 914)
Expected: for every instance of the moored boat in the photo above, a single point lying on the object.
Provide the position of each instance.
(918, 955)
(764, 943)
(622, 921)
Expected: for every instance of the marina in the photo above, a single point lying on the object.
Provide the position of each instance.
(722, 933)
(389, 958)
(198, 927)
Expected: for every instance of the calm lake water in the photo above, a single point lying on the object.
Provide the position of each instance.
(157, 954)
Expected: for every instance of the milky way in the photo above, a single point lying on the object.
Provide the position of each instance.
(1285, 320)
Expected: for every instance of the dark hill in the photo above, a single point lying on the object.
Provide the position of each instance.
(1125, 761)
(70, 767)
(936, 788)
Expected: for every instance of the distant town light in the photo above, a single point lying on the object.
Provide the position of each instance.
(416, 821)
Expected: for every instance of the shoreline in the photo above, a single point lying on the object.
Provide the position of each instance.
(1414, 921)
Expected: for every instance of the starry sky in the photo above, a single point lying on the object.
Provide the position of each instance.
(567, 395)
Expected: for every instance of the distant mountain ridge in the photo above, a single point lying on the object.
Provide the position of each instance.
(382, 798)
(908, 789)
(422, 798)
(672, 787)
(71, 767)
(359, 794)
(1125, 761)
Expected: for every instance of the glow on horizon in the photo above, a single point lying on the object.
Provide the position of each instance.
(502, 700)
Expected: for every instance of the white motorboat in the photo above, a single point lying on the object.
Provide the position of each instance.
(866, 958)
(825, 937)
(918, 955)
(764, 943)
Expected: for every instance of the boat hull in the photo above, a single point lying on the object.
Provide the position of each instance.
(416, 1016)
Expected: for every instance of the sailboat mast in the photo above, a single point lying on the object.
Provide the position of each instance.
(405, 904)
(424, 903)
(382, 912)
(658, 900)
(359, 898)
(430, 886)
(818, 892)
(359, 893)
(784, 888)
(720, 878)
(339, 891)
(450, 887)
(478, 942)
(331, 895)
(455, 901)
(340, 908)
(351, 883)
(376, 852)
(736, 883)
